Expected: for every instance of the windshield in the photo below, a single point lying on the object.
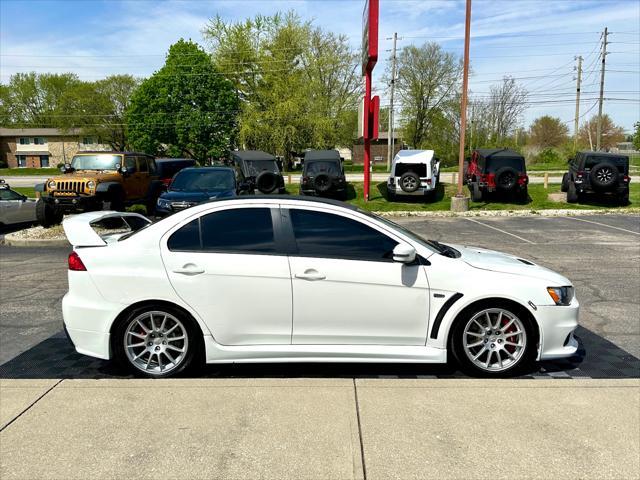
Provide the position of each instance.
(96, 162)
(254, 167)
(315, 167)
(493, 164)
(198, 180)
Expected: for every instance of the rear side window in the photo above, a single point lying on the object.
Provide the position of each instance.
(242, 230)
(320, 234)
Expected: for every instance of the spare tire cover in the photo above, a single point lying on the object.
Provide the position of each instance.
(506, 178)
(322, 183)
(267, 181)
(603, 175)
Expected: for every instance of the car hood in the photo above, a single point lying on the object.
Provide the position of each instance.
(199, 196)
(502, 262)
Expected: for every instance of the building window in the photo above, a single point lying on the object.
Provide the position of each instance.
(39, 141)
(44, 161)
(22, 161)
(25, 141)
(89, 140)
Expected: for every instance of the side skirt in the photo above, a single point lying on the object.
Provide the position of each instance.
(216, 353)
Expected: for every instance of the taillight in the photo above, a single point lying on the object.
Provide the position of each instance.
(579, 174)
(523, 179)
(626, 178)
(428, 181)
(75, 263)
(491, 179)
(305, 179)
(166, 181)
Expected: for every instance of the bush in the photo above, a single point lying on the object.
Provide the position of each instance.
(59, 165)
(137, 208)
(549, 155)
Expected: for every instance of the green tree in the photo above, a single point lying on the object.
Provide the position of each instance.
(186, 108)
(547, 131)
(428, 79)
(636, 136)
(298, 86)
(611, 133)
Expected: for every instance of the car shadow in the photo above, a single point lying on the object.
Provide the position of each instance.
(55, 357)
(601, 200)
(16, 227)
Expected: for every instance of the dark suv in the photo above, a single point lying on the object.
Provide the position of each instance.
(597, 172)
(322, 174)
(260, 170)
(497, 170)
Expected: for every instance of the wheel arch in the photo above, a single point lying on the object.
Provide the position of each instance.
(156, 302)
(492, 301)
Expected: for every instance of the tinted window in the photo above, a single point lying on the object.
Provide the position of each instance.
(242, 230)
(494, 164)
(142, 164)
(318, 167)
(187, 238)
(130, 163)
(321, 234)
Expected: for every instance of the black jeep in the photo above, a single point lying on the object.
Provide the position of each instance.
(597, 172)
(497, 170)
(260, 170)
(322, 174)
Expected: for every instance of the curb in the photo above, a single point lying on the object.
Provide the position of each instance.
(34, 242)
(509, 213)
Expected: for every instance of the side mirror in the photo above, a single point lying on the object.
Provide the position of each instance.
(66, 168)
(124, 170)
(404, 253)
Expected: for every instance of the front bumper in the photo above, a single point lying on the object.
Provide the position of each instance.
(73, 203)
(557, 325)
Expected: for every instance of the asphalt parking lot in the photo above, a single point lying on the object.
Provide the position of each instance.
(600, 254)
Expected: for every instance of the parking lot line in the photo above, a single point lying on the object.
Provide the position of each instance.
(603, 225)
(499, 230)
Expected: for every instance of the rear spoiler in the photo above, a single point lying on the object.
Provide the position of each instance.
(80, 232)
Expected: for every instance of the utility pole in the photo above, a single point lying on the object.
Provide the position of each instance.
(459, 202)
(575, 126)
(390, 141)
(604, 59)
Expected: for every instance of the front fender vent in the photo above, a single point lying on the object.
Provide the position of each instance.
(526, 262)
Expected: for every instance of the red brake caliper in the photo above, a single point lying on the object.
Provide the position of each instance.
(509, 348)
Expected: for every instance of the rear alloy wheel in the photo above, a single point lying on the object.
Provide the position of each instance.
(155, 342)
(493, 342)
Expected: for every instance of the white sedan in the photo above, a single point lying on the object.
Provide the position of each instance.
(259, 279)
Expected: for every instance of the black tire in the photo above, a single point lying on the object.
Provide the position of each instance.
(572, 193)
(193, 341)
(603, 176)
(322, 183)
(267, 182)
(506, 178)
(565, 182)
(47, 215)
(495, 340)
(115, 201)
(476, 193)
(409, 182)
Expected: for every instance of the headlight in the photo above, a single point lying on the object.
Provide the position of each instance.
(561, 295)
(51, 184)
(91, 184)
(162, 203)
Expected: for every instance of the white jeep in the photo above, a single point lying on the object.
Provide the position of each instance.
(414, 173)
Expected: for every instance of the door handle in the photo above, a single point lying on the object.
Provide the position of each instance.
(189, 269)
(310, 274)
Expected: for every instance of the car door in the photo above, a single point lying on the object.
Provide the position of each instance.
(228, 267)
(13, 208)
(346, 287)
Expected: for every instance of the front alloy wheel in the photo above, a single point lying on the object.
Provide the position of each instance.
(494, 341)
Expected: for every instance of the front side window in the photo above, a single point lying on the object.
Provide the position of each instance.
(6, 194)
(320, 234)
(242, 230)
(130, 164)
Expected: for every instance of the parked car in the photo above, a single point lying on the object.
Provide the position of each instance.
(294, 279)
(597, 173)
(168, 167)
(192, 186)
(101, 180)
(497, 170)
(15, 208)
(323, 174)
(260, 170)
(413, 173)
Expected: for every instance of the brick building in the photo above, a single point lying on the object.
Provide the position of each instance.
(378, 149)
(42, 147)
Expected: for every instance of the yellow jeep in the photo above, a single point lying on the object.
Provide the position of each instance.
(100, 180)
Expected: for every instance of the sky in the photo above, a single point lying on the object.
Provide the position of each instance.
(534, 41)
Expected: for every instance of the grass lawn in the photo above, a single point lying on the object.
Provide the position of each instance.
(537, 193)
(378, 202)
(22, 172)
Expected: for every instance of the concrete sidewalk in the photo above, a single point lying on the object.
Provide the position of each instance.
(319, 428)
